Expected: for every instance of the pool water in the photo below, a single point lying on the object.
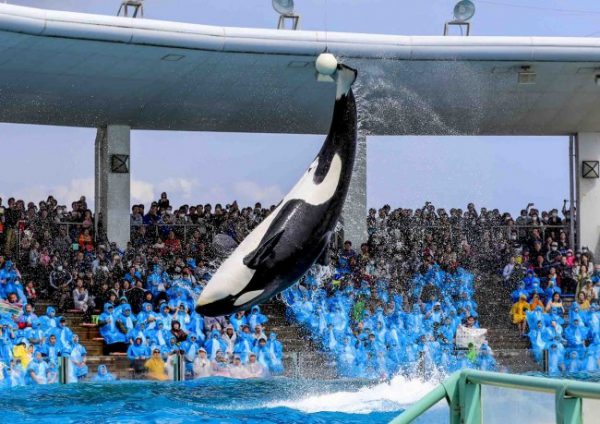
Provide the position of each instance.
(215, 400)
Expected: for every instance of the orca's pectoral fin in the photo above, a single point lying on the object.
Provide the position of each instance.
(324, 258)
(262, 252)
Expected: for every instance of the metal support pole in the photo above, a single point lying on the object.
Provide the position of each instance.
(545, 365)
(572, 183)
(568, 409)
(63, 369)
(179, 368)
(576, 210)
(471, 403)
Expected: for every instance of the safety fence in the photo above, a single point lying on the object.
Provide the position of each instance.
(463, 393)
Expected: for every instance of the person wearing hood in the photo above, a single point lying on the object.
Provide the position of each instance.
(229, 339)
(159, 336)
(64, 335)
(164, 315)
(34, 334)
(125, 321)
(108, 326)
(48, 321)
(138, 354)
(28, 315)
(35, 372)
(275, 353)
(518, 314)
(103, 376)
(485, 360)
(156, 366)
(556, 364)
(7, 335)
(202, 365)
(78, 369)
(256, 317)
(138, 331)
(551, 289)
(51, 349)
(213, 344)
(237, 320)
(147, 316)
(244, 345)
(573, 364)
(196, 325)
(576, 334)
(190, 352)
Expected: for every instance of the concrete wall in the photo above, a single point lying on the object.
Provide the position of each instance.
(588, 211)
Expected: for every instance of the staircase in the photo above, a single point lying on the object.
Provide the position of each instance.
(510, 350)
(302, 358)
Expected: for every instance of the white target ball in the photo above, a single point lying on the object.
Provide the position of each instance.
(326, 64)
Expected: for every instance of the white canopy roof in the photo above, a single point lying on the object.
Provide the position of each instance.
(61, 68)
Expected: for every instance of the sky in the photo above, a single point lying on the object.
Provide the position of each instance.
(502, 172)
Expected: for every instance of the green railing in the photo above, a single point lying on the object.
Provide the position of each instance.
(462, 391)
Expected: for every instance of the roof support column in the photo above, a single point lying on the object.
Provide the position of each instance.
(587, 148)
(112, 183)
(354, 213)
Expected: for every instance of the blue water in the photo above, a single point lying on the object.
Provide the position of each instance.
(214, 400)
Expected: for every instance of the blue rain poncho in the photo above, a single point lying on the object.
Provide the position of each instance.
(36, 371)
(64, 336)
(48, 321)
(157, 281)
(147, 315)
(197, 325)
(256, 318)
(138, 350)
(275, 349)
(50, 350)
(138, 331)
(573, 364)
(555, 359)
(158, 336)
(34, 334)
(165, 316)
(485, 360)
(213, 344)
(243, 346)
(237, 321)
(551, 289)
(78, 368)
(108, 326)
(126, 319)
(576, 335)
(103, 376)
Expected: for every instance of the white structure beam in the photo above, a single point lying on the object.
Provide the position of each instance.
(112, 183)
(588, 212)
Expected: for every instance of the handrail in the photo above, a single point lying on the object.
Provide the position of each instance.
(462, 390)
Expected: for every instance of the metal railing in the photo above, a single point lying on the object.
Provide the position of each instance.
(462, 391)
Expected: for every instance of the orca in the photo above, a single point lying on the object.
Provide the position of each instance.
(297, 232)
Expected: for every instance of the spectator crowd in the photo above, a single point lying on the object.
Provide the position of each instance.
(401, 298)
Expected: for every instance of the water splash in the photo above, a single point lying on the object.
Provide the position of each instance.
(384, 397)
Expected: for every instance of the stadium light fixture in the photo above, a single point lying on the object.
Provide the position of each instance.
(464, 10)
(285, 8)
(136, 6)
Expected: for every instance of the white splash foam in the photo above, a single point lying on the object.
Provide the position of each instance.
(389, 396)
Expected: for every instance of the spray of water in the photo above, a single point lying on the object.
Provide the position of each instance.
(383, 397)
